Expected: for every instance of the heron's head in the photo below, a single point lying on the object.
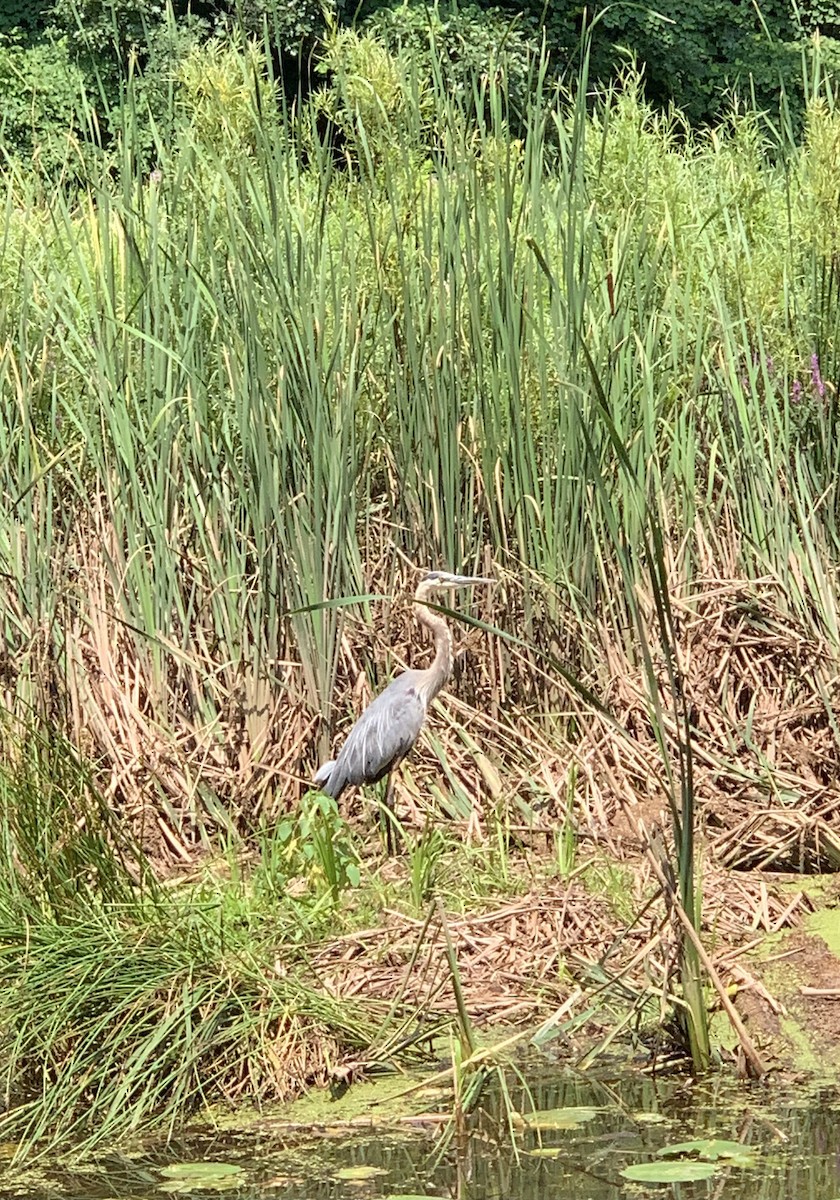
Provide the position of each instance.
(445, 579)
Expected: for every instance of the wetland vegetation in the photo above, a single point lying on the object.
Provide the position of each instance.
(257, 358)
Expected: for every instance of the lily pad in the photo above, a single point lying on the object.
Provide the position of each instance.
(210, 1176)
(199, 1170)
(358, 1174)
(669, 1172)
(712, 1149)
(559, 1118)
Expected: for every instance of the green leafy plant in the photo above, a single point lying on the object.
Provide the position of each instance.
(42, 120)
(316, 840)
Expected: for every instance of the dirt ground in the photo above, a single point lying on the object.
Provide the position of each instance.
(796, 1008)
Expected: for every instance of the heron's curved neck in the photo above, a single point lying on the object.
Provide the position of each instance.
(440, 670)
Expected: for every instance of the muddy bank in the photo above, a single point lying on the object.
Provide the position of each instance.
(792, 1001)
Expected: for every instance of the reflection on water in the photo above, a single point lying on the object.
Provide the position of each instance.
(794, 1130)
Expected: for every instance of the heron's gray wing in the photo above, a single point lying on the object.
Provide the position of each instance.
(383, 734)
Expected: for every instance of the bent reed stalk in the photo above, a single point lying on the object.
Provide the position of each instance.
(236, 388)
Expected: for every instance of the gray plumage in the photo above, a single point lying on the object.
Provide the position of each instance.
(380, 739)
(391, 724)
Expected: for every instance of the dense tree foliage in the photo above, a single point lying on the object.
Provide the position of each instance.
(697, 54)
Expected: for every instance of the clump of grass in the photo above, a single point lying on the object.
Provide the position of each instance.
(125, 1005)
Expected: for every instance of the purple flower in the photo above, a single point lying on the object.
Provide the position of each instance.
(816, 377)
(796, 393)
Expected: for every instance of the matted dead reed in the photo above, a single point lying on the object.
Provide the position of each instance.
(521, 960)
(760, 686)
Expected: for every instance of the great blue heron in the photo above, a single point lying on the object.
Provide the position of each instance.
(391, 724)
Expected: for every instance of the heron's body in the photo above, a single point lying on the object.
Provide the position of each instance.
(391, 724)
(380, 739)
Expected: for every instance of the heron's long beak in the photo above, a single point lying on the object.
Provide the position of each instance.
(464, 580)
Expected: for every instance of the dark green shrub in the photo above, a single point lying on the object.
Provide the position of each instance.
(42, 89)
(465, 43)
(114, 41)
(292, 24)
(22, 15)
(99, 27)
(697, 54)
(822, 15)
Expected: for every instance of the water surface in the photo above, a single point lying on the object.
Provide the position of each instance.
(792, 1131)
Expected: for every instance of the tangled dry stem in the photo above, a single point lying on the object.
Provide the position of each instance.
(180, 738)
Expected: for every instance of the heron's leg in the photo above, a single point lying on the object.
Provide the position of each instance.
(390, 816)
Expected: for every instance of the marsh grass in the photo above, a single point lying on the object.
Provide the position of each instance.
(240, 390)
(229, 387)
(127, 1004)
